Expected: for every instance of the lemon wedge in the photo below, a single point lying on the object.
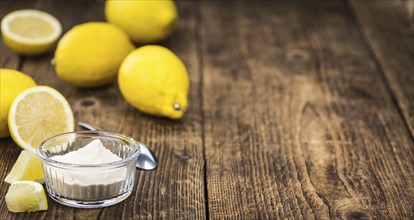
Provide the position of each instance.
(30, 32)
(39, 113)
(26, 196)
(27, 167)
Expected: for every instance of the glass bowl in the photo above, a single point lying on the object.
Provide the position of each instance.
(89, 177)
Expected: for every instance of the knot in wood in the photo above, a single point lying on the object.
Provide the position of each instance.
(87, 103)
(182, 156)
(357, 215)
(297, 55)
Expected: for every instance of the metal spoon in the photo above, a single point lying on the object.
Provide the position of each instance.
(146, 159)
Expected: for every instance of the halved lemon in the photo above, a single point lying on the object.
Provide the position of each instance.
(30, 32)
(27, 167)
(26, 196)
(37, 114)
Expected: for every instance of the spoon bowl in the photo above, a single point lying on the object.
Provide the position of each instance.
(146, 159)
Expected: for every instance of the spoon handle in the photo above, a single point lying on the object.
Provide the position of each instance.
(88, 126)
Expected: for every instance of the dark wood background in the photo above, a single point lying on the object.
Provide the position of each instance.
(298, 110)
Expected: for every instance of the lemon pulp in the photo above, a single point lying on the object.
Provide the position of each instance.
(30, 32)
(27, 167)
(23, 26)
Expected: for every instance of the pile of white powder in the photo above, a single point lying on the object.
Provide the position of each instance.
(88, 183)
(92, 153)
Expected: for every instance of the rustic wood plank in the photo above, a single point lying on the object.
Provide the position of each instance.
(389, 29)
(298, 122)
(176, 188)
(8, 149)
(8, 59)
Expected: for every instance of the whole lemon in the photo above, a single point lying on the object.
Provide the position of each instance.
(154, 80)
(89, 54)
(144, 21)
(12, 83)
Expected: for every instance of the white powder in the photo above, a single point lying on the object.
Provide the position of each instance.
(93, 153)
(88, 183)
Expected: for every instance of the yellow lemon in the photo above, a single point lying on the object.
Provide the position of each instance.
(26, 196)
(30, 32)
(154, 80)
(12, 83)
(27, 167)
(144, 21)
(89, 54)
(37, 114)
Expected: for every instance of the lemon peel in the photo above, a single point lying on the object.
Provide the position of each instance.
(154, 80)
(89, 55)
(143, 21)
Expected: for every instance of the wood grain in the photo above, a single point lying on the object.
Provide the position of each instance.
(298, 121)
(389, 29)
(296, 111)
(176, 188)
(9, 59)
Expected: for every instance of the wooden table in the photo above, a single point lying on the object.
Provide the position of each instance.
(298, 110)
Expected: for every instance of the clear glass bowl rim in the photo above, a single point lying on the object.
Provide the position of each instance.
(115, 164)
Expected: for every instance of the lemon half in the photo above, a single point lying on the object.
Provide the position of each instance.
(26, 196)
(37, 114)
(30, 32)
